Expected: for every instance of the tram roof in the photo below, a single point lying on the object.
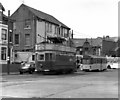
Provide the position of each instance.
(93, 56)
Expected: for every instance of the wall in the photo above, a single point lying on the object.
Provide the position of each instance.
(40, 31)
(20, 16)
(3, 43)
(108, 47)
(12, 68)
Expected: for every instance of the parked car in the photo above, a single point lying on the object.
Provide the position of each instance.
(115, 65)
(27, 67)
(112, 65)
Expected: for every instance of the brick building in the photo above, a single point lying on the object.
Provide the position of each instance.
(32, 27)
(88, 46)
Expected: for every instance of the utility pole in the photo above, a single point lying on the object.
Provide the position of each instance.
(8, 46)
(72, 34)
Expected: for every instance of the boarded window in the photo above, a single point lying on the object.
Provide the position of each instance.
(16, 39)
(27, 39)
(27, 24)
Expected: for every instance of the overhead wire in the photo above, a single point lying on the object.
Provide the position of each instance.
(81, 34)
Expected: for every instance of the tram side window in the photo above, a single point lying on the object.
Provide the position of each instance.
(41, 57)
(49, 56)
(94, 60)
(33, 57)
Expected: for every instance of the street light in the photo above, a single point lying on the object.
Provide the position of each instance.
(8, 46)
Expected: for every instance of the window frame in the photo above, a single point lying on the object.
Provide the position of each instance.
(17, 39)
(39, 56)
(2, 33)
(4, 53)
(27, 40)
(27, 24)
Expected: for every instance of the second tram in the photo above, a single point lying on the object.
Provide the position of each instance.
(91, 62)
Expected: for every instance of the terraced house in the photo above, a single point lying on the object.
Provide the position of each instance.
(3, 36)
(32, 27)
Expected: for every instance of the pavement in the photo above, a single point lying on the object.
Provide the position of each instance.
(11, 73)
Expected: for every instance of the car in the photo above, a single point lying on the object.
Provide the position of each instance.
(109, 64)
(113, 65)
(27, 67)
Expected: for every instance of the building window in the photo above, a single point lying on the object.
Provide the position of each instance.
(4, 34)
(16, 39)
(50, 27)
(27, 24)
(47, 27)
(27, 39)
(65, 33)
(3, 53)
(55, 29)
(14, 25)
(62, 32)
(58, 31)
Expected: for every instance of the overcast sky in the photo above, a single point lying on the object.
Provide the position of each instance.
(87, 18)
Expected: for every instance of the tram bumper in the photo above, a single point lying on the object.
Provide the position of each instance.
(86, 67)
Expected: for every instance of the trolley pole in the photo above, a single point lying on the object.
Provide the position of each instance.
(8, 46)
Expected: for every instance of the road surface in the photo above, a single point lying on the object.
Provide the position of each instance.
(76, 85)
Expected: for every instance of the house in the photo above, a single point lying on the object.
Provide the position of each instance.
(32, 27)
(106, 46)
(88, 46)
(3, 36)
(110, 46)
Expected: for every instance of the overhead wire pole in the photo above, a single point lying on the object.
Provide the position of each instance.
(8, 46)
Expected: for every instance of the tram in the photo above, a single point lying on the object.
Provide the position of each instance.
(91, 62)
(55, 57)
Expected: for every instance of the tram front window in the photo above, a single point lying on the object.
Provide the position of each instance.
(85, 61)
(41, 57)
(49, 56)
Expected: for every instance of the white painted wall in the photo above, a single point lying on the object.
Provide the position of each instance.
(23, 56)
(40, 29)
(3, 43)
(2, 26)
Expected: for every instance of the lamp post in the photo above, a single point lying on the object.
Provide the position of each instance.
(8, 46)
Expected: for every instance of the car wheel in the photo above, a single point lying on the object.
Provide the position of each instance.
(21, 72)
(109, 67)
(30, 72)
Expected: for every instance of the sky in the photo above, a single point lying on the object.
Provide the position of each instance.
(87, 18)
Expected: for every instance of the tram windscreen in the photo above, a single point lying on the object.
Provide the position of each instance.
(86, 61)
(49, 56)
(41, 57)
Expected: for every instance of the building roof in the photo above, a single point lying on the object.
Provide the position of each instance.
(113, 39)
(44, 16)
(1, 7)
(93, 41)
